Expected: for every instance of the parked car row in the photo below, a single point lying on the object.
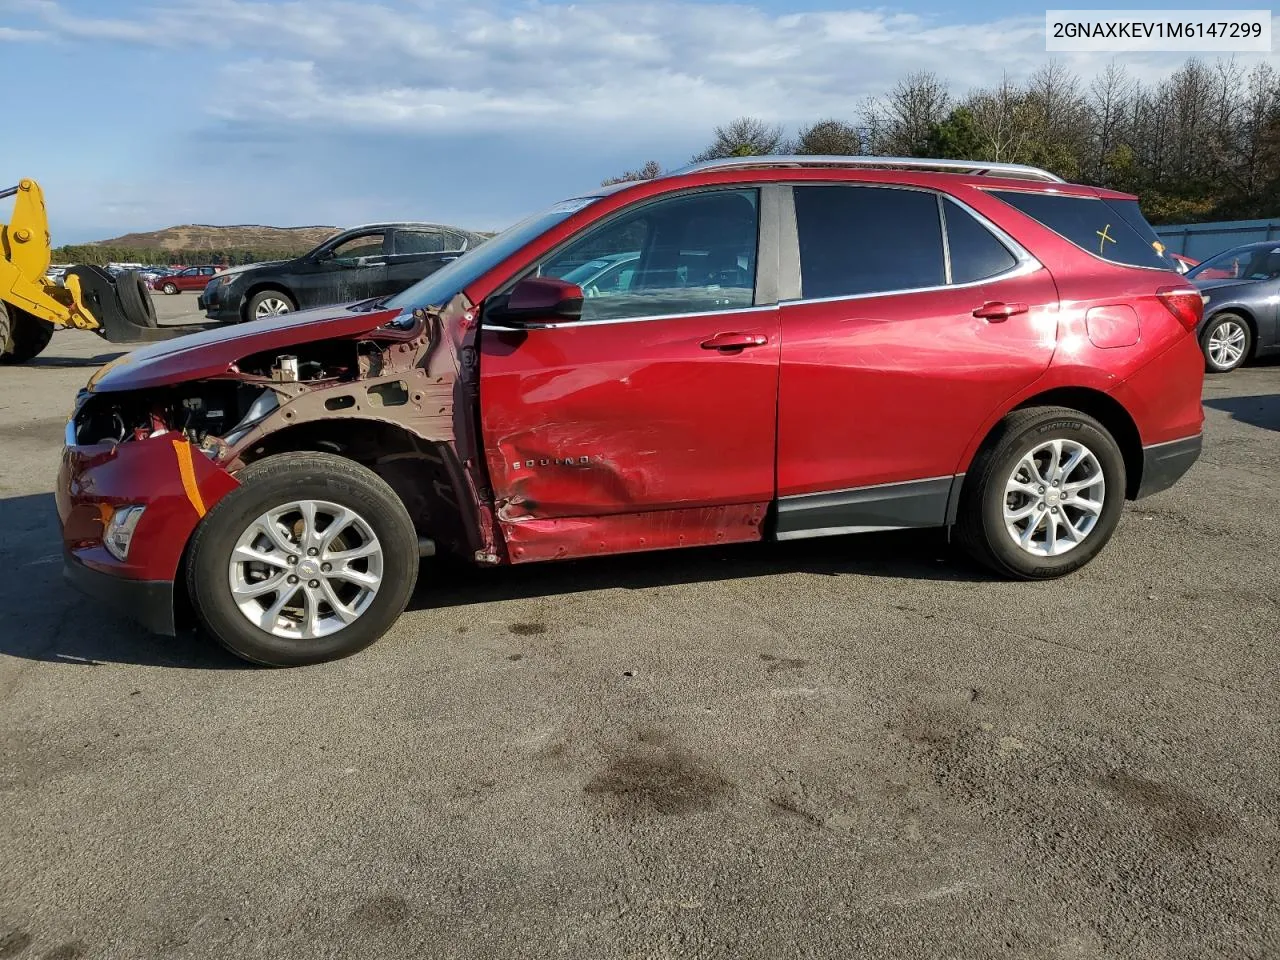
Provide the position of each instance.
(749, 349)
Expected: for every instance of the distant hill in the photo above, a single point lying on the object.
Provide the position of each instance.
(201, 236)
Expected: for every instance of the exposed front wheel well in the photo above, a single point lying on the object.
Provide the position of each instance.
(420, 471)
(1108, 412)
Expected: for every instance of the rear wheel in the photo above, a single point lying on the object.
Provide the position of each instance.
(1044, 495)
(269, 303)
(22, 336)
(311, 558)
(1226, 342)
(135, 299)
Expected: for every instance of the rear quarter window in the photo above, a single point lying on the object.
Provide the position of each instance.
(1093, 225)
(975, 252)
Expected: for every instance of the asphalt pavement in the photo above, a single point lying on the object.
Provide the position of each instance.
(854, 748)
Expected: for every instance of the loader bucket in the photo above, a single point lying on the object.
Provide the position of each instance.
(124, 319)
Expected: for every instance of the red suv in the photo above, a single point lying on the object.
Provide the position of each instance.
(803, 347)
(192, 278)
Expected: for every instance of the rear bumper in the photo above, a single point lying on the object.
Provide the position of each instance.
(149, 602)
(1163, 464)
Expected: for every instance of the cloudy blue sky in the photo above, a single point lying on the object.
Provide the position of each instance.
(145, 113)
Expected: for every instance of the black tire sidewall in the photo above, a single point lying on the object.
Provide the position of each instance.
(170, 289)
(1214, 322)
(135, 299)
(210, 589)
(23, 336)
(1007, 555)
(6, 333)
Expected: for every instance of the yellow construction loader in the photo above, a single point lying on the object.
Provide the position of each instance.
(32, 306)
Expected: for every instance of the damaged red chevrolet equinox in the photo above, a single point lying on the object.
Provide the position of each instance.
(747, 349)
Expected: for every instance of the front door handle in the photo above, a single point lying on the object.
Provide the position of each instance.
(998, 312)
(735, 341)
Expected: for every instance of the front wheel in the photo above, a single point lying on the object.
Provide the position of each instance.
(1044, 495)
(170, 288)
(311, 558)
(1225, 342)
(269, 303)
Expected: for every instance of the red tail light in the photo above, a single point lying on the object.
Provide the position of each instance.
(1185, 303)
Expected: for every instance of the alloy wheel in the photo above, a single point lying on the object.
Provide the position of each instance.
(305, 569)
(1054, 497)
(270, 307)
(1226, 343)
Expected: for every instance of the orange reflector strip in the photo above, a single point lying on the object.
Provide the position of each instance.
(187, 470)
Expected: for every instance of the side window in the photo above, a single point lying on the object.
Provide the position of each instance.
(427, 241)
(859, 240)
(689, 254)
(365, 245)
(1092, 225)
(206, 271)
(189, 272)
(975, 252)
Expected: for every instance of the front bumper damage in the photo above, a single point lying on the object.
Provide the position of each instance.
(177, 484)
(149, 602)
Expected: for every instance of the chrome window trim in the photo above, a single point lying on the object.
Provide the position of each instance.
(946, 243)
(1022, 269)
(503, 328)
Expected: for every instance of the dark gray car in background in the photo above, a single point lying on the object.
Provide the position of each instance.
(374, 260)
(1242, 310)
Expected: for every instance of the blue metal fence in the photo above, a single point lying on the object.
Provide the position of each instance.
(1203, 240)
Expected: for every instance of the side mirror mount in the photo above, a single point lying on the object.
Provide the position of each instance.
(542, 298)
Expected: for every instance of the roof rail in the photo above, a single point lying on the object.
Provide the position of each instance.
(1018, 171)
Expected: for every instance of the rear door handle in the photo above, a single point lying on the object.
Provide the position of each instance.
(998, 312)
(735, 341)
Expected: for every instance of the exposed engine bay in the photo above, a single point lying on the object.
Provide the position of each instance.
(384, 398)
(195, 410)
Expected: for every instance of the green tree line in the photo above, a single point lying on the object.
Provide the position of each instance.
(1201, 144)
(230, 256)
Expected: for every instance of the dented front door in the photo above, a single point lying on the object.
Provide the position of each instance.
(627, 436)
(649, 421)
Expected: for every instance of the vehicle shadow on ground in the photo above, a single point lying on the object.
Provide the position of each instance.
(1259, 411)
(907, 555)
(44, 618)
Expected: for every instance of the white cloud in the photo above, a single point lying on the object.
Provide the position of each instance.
(14, 35)
(628, 69)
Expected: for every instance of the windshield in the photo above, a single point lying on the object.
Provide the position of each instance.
(443, 285)
(1258, 263)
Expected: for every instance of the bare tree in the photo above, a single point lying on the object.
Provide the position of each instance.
(1000, 121)
(829, 138)
(648, 171)
(899, 123)
(743, 137)
(1107, 103)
